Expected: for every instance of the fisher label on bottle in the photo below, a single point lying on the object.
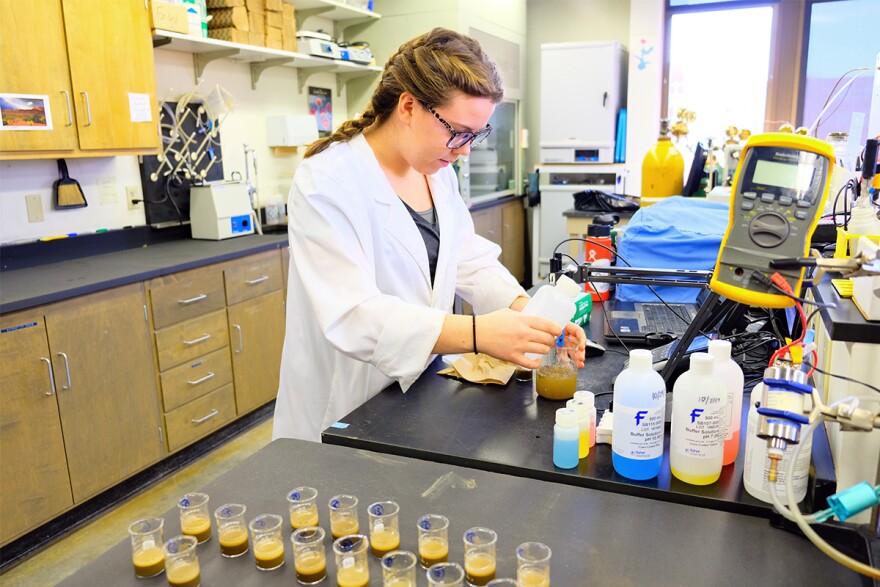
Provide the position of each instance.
(640, 432)
(703, 436)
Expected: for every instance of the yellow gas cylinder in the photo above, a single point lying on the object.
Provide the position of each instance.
(663, 167)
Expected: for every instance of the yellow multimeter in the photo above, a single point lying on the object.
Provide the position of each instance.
(778, 194)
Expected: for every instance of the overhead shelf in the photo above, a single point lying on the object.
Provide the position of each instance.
(331, 9)
(205, 50)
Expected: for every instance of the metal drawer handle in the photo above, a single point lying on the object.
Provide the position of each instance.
(208, 417)
(210, 375)
(240, 338)
(88, 109)
(257, 280)
(69, 111)
(198, 340)
(66, 368)
(51, 376)
(198, 298)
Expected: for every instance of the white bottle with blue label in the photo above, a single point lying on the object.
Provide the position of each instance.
(699, 410)
(639, 414)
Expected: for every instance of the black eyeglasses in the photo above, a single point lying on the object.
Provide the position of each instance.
(461, 137)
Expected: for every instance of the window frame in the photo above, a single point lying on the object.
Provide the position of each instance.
(787, 72)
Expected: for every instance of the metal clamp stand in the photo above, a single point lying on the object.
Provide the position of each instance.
(710, 314)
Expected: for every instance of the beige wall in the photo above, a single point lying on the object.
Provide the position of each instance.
(557, 21)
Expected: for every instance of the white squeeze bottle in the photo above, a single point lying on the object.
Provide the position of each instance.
(639, 415)
(756, 460)
(696, 438)
(554, 303)
(732, 375)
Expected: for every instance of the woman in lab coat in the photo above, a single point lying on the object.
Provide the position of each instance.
(381, 242)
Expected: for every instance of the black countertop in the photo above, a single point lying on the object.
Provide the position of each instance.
(844, 323)
(597, 538)
(26, 288)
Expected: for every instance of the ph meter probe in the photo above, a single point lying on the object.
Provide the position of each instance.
(778, 194)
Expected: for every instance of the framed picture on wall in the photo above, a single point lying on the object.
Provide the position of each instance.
(321, 106)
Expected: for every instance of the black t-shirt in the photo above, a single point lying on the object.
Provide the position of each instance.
(430, 230)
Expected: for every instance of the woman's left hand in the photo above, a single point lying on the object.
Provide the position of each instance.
(575, 338)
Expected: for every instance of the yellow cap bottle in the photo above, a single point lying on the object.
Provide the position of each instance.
(663, 167)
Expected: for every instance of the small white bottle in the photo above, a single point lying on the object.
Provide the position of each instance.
(554, 303)
(589, 398)
(639, 414)
(565, 439)
(582, 411)
(696, 438)
(756, 461)
(732, 375)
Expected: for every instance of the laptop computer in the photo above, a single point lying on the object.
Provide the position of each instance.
(632, 322)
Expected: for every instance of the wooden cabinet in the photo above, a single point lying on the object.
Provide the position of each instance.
(106, 391)
(504, 225)
(256, 327)
(79, 410)
(34, 485)
(93, 62)
(513, 239)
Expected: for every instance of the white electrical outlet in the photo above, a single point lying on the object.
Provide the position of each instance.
(133, 197)
(34, 205)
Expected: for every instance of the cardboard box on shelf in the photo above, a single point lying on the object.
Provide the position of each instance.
(257, 39)
(168, 17)
(223, 3)
(223, 18)
(230, 34)
(288, 43)
(274, 5)
(255, 5)
(257, 21)
(274, 19)
(274, 38)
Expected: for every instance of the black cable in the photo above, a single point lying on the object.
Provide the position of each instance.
(850, 379)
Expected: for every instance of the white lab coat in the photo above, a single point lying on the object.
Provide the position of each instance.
(361, 312)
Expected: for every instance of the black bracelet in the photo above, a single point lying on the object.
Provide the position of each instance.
(474, 323)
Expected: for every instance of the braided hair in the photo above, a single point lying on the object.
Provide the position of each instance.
(430, 67)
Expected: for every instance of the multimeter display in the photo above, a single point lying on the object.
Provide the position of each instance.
(778, 193)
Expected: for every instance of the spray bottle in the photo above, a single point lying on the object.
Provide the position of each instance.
(639, 414)
(696, 439)
(554, 303)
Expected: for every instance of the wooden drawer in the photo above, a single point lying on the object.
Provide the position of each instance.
(195, 378)
(187, 294)
(191, 339)
(253, 276)
(199, 417)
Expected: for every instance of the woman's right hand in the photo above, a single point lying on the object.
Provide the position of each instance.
(508, 335)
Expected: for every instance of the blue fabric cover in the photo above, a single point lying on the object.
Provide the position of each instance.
(675, 233)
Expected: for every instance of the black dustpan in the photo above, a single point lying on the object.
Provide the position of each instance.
(67, 191)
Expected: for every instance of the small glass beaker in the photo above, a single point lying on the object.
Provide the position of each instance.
(523, 374)
(433, 539)
(146, 547)
(556, 377)
(533, 564)
(309, 558)
(303, 505)
(343, 516)
(352, 565)
(266, 537)
(182, 562)
(446, 575)
(479, 555)
(399, 569)
(384, 528)
(195, 520)
(232, 531)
